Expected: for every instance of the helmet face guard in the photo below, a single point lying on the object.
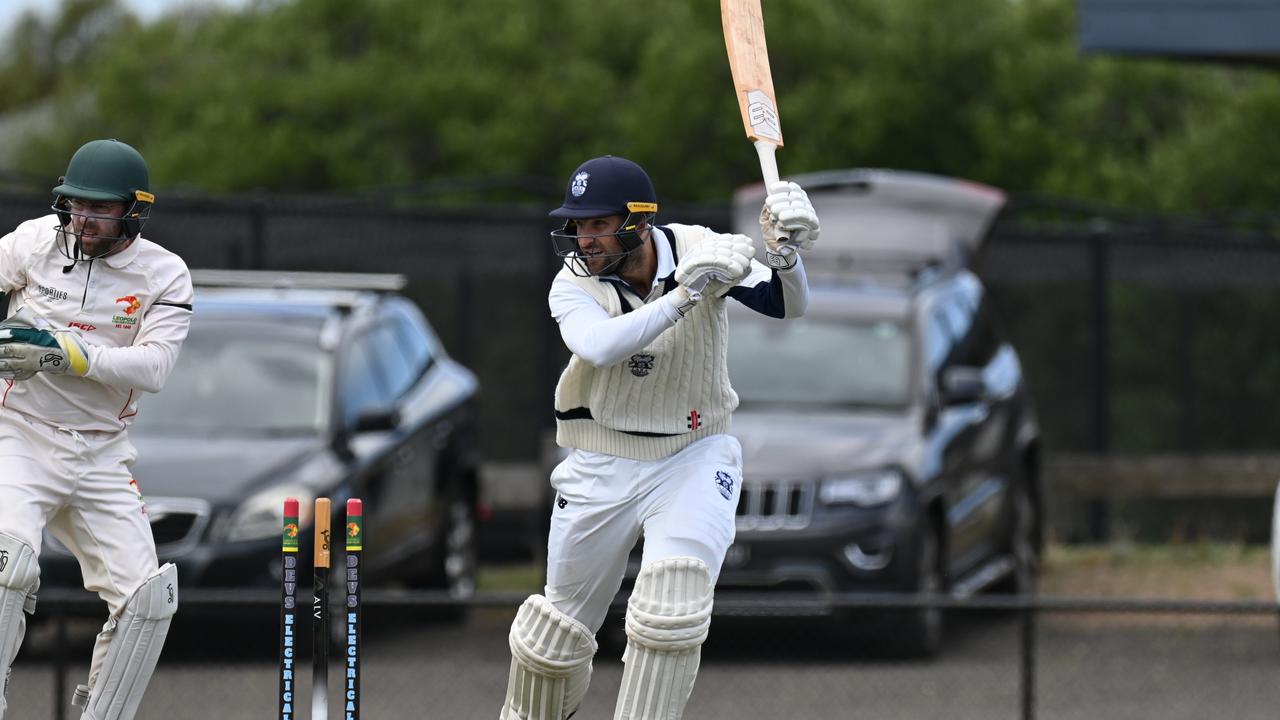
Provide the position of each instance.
(103, 171)
(604, 187)
(566, 241)
(130, 223)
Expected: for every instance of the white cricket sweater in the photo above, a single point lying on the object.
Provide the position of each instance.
(653, 383)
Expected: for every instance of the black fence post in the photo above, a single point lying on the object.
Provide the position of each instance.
(1028, 652)
(258, 235)
(1100, 281)
(1187, 436)
(60, 662)
(465, 313)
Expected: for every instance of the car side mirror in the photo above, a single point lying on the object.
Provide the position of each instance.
(376, 420)
(961, 385)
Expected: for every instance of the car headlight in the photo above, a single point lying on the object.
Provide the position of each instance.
(865, 489)
(262, 515)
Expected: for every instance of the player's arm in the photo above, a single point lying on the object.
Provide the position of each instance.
(146, 364)
(591, 334)
(15, 252)
(30, 344)
(772, 292)
(788, 223)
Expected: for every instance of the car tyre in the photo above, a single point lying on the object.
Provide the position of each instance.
(1022, 545)
(920, 629)
(455, 567)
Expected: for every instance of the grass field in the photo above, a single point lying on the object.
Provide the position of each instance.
(1199, 571)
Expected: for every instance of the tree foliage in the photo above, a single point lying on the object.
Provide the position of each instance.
(324, 95)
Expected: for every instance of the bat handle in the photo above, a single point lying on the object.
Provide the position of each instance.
(769, 169)
(768, 161)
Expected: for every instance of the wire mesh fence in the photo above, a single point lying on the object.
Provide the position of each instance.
(768, 656)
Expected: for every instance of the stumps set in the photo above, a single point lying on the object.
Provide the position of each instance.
(353, 532)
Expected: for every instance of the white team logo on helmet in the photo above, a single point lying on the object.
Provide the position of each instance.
(579, 185)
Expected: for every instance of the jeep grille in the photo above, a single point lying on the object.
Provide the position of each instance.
(775, 504)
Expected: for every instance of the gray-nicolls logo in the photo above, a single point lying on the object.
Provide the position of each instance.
(641, 364)
(4, 560)
(169, 587)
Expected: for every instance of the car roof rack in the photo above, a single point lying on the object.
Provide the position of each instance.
(289, 280)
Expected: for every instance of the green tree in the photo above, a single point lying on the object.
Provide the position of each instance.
(315, 95)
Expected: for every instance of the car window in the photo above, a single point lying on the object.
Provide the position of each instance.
(361, 386)
(236, 377)
(978, 344)
(398, 368)
(819, 362)
(415, 336)
(938, 339)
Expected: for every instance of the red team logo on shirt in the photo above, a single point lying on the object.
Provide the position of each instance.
(131, 304)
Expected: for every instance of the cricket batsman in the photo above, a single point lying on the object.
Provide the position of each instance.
(643, 406)
(97, 315)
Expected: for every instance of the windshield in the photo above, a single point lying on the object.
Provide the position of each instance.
(820, 362)
(243, 378)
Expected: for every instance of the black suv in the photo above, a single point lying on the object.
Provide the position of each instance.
(889, 443)
(306, 385)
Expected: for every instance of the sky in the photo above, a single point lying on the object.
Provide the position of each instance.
(144, 9)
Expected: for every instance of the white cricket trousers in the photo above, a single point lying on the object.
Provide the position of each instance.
(684, 504)
(78, 485)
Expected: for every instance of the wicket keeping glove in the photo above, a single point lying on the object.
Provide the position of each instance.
(29, 344)
(787, 223)
(716, 264)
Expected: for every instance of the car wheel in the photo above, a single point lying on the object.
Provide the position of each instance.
(1022, 545)
(457, 571)
(921, 628)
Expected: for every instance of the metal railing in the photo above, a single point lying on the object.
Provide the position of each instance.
(60, 603)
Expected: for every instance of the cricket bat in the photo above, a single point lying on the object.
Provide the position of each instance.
(749, 63)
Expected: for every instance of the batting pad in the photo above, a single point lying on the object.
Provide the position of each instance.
(135, 648)
(668, 616)
(550, 663)
(19, 576)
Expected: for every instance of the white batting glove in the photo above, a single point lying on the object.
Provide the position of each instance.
(716, 264)
(787, 223)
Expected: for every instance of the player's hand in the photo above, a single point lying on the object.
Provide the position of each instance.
(25, 351)
(682, 300)
(716, 264)
(787, 223)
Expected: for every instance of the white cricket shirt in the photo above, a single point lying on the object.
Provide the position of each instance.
(132, 309)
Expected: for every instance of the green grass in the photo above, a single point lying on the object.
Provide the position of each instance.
(1227, 570)
(510, 578)
(1146, 556)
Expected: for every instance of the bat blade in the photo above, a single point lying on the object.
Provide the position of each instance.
(749, 63)
(744, 41)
